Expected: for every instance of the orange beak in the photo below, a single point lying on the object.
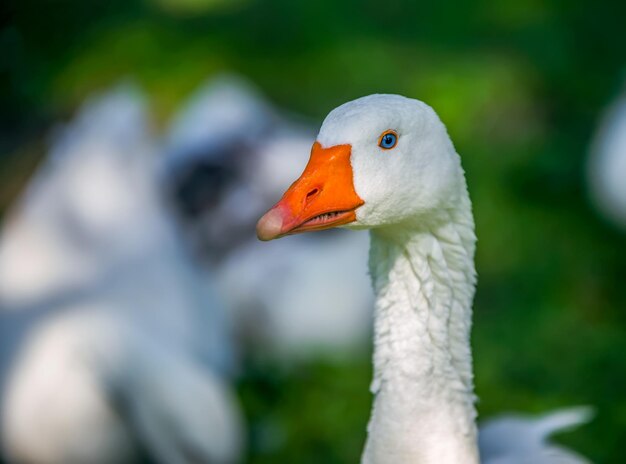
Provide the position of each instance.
(323, 196)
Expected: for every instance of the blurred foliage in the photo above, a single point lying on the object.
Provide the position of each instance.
(520, 86)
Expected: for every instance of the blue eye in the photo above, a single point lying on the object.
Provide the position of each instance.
(388, 140)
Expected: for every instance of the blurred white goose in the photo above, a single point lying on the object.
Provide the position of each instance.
(607, 164)
(229, 153)
(310, 298)
(122, 349)
(386, 163)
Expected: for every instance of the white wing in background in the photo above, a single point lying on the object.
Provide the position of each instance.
(517, 439)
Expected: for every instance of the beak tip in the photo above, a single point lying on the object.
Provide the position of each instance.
(270, 225)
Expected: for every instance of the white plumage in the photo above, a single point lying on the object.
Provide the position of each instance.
(119, 350)
(314, 299)
(302, 299)
(516, 439)
(413, 198)
(607, 164)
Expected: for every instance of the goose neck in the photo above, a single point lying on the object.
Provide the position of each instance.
(424, 282)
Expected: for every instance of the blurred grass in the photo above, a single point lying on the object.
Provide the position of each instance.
(307, 414)
(520, 86)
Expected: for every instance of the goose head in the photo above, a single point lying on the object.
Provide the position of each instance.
(380, 160)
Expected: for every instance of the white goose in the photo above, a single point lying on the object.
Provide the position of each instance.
(607, 164)
(386, 163)
(122, 345)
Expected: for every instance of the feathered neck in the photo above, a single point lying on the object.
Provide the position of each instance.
(424, 278)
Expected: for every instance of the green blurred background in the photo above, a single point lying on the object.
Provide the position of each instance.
(520, 85)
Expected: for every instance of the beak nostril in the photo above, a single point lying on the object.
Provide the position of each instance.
(312, 193)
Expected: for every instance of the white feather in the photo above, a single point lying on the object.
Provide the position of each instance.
(607, 164)
(416, 203)
(123, 346)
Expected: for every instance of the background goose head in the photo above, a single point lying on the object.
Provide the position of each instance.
(381, 160)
